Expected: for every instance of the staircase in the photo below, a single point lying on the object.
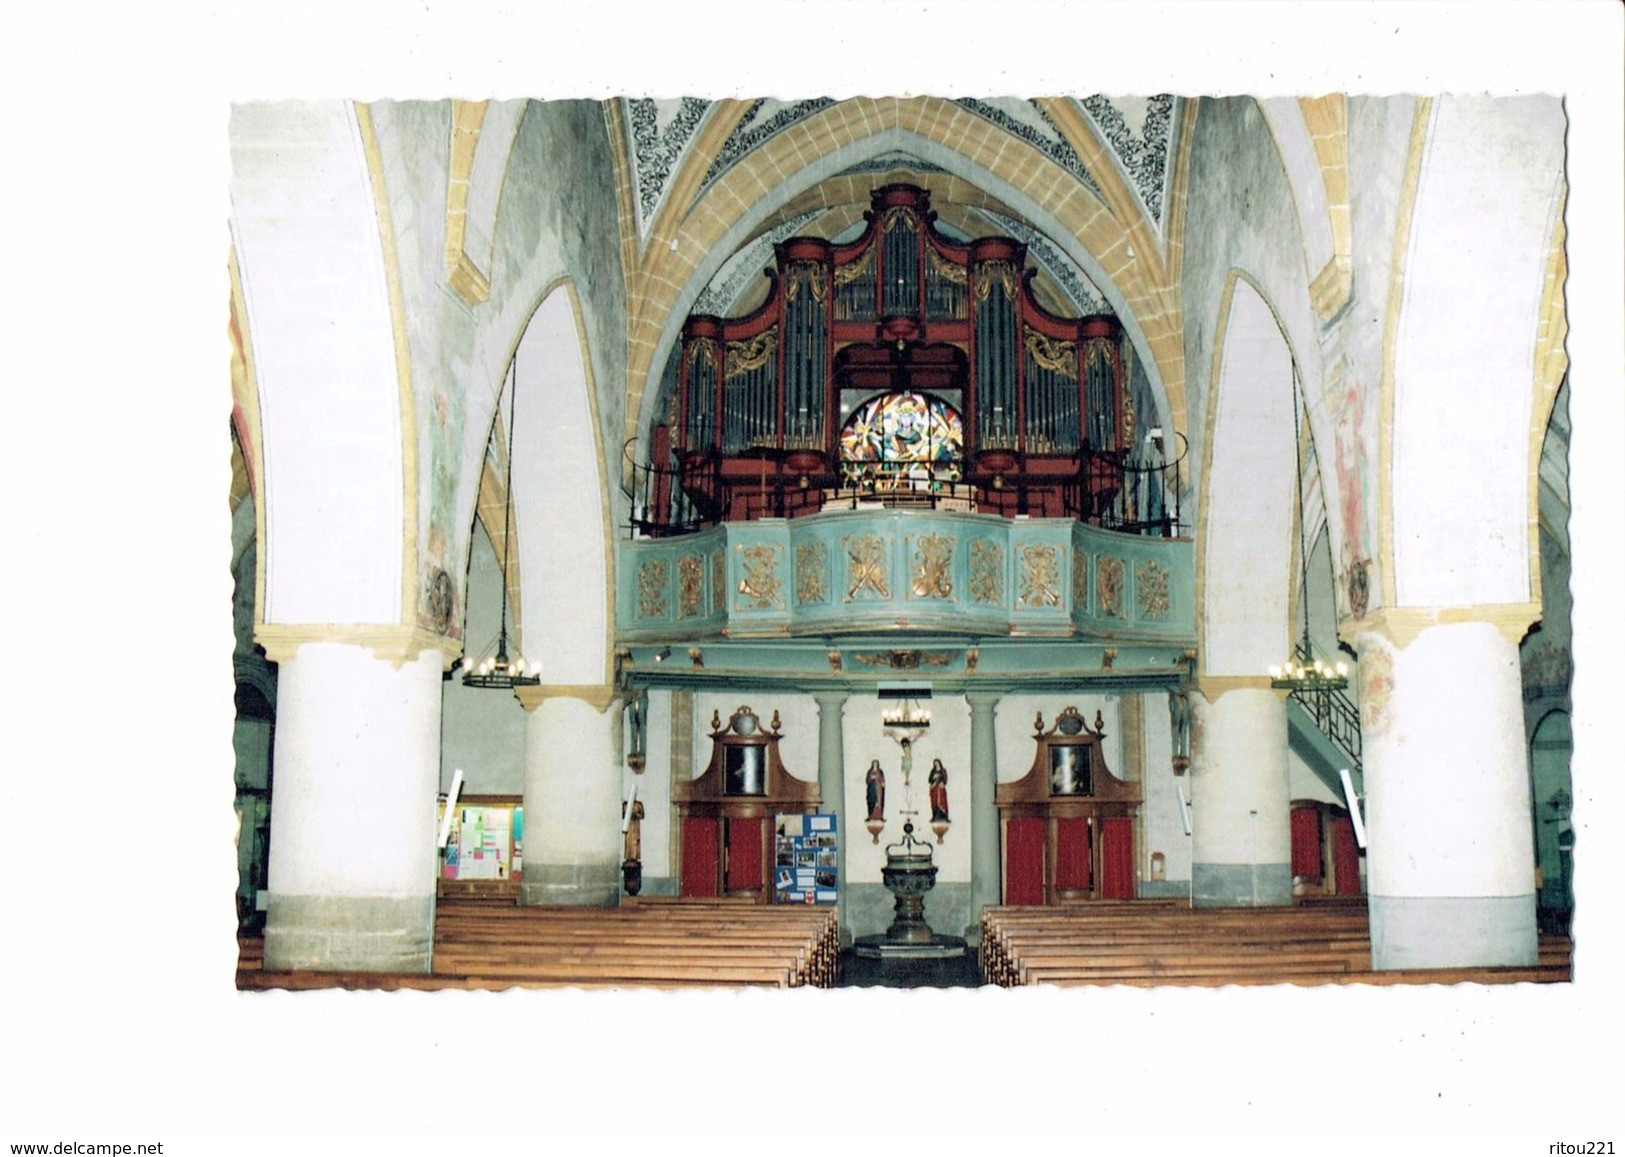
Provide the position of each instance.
(1323, 727)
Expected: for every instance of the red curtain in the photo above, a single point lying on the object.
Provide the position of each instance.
(745, 837)
(1072, 854)
(1117, 858)
(1345, 856)
(1024, 861)
(699, 856)
(1306, 858)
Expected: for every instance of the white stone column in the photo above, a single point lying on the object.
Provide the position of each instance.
(1450, 860)
(832, 772)
(1241, 839)
(572, 801)
(357, 763)
(985, 866)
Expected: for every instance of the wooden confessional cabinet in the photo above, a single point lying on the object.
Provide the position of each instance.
(1067, 826)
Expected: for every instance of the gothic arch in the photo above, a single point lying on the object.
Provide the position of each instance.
(563, 524)
(737, 206)
(1244, 542)
(1467, 335)
(333, 392)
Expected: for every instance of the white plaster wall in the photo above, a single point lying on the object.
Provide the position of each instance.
(1464, 353)
(654, 788)
(559, 507)
(482, 732)
(497, 130)
(948, 740)
(1160, 817)
(305, 228)
(1285, 118)
(1305, 784)
(1246, 551)
(552, 223)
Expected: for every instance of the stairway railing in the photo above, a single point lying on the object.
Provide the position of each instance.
(1130, 493)
(1335, 715)
(669, 498)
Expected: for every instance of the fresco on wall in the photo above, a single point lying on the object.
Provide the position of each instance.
(437, 597)
(1350, 439)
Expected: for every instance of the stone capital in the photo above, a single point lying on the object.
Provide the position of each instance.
(1401, 625)
(393, 643)
(597, 695)
(1210, 687)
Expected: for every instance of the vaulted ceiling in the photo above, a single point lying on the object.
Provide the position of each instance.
(1085, 182)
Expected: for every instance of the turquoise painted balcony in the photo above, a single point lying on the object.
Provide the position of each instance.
(910, 573)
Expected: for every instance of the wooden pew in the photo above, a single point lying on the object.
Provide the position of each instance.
(1138, 944)
(659, 944)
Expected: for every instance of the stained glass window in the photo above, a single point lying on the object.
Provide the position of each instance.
(904, 428)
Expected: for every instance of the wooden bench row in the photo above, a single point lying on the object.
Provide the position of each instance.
(683, 944)
(1137, 944)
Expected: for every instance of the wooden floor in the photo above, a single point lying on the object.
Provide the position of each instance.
(642, 944)
(1143, 943)
(664, 943)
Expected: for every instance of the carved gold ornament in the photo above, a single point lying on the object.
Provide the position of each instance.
(703, 349)
(1001, 273)
(867, 555)
(847, 274)
(690, 585)
(905, 660)
(1080, 579)
(760, 586)
(933, 554)
(943, 268)
(719, 581)
(1151, 590)
(898, 215)
(1109, 586)
(751, 354)
(810, 274)
(986, 572)
(1040, 575)
(812, 565)
(653, 574)
(1059, 357)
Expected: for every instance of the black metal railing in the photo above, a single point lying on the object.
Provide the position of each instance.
(1131, 493)
(673, 496)
(1336, 716)
(679, 494)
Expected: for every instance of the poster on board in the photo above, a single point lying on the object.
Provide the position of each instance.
(805, 860)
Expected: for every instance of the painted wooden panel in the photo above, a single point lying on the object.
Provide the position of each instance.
(889, 570)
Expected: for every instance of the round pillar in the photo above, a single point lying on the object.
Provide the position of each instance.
(356, 769)
(832, 772)
(572, 803)
(985, 871)
(1241, 839)
(1450, 865)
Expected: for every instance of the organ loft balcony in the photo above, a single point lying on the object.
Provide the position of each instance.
(904, 441)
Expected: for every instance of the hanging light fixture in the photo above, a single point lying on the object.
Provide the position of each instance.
(908, 721)
(497, 671)
(1305, 672)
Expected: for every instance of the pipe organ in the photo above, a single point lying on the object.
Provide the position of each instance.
(901, 366)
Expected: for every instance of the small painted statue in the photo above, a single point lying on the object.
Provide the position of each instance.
(938, 781)
(874, 786)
